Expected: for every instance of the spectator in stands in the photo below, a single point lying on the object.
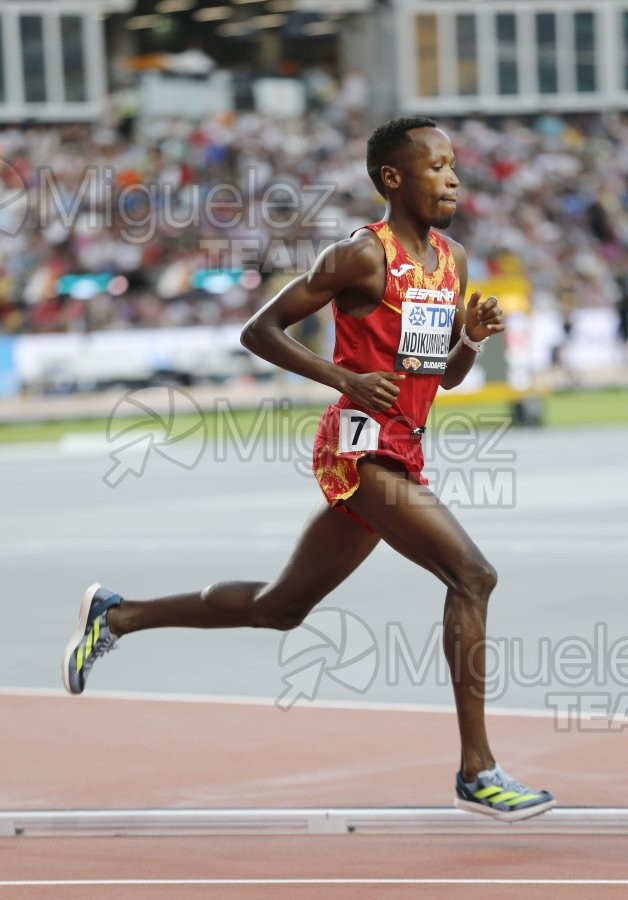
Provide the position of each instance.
(174, 198)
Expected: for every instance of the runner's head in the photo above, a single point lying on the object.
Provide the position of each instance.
(410, 162)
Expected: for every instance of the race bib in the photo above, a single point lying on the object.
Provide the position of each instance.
(357, 431)
(425, 336)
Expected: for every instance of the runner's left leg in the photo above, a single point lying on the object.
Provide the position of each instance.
(412, 520)
(330, 548)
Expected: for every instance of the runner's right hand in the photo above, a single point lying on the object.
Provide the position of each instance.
(373, 390)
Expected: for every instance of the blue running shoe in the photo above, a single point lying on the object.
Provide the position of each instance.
(496, 794)
(90, 639)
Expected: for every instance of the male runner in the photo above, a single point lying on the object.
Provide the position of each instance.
(397, 289)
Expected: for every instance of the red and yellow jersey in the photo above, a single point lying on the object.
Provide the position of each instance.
(409, 331)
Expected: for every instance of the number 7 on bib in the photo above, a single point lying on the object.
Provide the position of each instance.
(357, 431)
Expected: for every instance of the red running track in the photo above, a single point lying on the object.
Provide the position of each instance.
(103, 753)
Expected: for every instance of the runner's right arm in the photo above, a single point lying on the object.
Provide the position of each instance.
(355, 266)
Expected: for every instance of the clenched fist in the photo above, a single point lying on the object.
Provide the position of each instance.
(373, 390)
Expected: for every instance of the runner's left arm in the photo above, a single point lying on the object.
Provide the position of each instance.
(482, 318)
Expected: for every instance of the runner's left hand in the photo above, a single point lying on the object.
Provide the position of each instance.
(483, 317)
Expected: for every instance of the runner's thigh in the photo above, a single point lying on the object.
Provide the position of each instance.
(331, 546)
(412, 520)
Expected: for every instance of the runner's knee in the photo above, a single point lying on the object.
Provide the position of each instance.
(477, 580)
(280, 620)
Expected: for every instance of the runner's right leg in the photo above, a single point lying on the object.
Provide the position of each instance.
(330, 548)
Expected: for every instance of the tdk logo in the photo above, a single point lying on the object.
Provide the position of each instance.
(437, 317)
(442, 296)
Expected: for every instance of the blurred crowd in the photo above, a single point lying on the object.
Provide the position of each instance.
(169, 223)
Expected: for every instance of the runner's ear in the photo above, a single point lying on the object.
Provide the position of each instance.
(391, 177)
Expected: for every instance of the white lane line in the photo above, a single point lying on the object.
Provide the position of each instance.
(551, 547)
(274, 501)
(70, 545)
(138, 882)
(514, 546)
(239, 700)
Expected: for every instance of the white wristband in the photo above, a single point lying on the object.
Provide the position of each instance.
(476, 346)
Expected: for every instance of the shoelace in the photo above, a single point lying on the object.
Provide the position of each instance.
(103, 645)
(508, 783)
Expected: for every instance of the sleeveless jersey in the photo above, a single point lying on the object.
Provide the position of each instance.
(408, 332)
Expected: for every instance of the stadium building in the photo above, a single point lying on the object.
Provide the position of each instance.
(513, 56)
(58, 58)
(52, 59)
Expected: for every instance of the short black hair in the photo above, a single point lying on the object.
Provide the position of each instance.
(386, 142)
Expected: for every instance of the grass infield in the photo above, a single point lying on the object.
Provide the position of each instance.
(564, 409)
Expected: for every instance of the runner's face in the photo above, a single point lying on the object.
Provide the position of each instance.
(429, 182)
